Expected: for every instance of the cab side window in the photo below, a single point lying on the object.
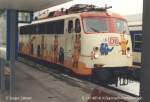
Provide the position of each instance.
(70, 26)
(77, 26)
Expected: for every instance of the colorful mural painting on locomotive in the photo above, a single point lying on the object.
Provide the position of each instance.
(104, 49)
(124, 45)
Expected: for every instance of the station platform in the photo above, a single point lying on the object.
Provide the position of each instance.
(33, 85)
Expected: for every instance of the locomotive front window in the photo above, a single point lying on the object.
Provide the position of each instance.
(95, 25)
(121, 26)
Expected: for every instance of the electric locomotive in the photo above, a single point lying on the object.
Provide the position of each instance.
(87, 40)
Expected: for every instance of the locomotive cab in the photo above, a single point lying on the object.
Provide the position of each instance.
(110, 36)
(106, 46)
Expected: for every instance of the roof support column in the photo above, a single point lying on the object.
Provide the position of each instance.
(2, 77)
(12, 41)
(145, 80)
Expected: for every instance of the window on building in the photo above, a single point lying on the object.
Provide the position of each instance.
(137, 42)
(24, 17)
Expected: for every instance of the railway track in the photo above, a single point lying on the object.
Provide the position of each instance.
(71, 79)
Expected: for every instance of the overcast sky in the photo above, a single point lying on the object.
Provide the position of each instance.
(124, 7)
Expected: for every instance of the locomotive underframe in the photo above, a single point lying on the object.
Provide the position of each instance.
(101, 75)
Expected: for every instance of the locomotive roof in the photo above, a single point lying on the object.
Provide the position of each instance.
(82, 14)
(101, 14)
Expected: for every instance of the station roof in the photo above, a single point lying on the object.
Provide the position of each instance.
(29, 5)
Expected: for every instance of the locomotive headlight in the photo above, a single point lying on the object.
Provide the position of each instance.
(129, 55)
(96, 55)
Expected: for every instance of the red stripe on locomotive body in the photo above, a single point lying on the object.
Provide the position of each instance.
(101, 14)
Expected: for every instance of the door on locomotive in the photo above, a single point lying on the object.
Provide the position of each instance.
(69, 36)
(71, 33)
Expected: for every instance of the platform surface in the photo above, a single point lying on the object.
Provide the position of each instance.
(42, 87)
(33, 85)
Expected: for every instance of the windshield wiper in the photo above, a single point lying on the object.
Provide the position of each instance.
(95, 30)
